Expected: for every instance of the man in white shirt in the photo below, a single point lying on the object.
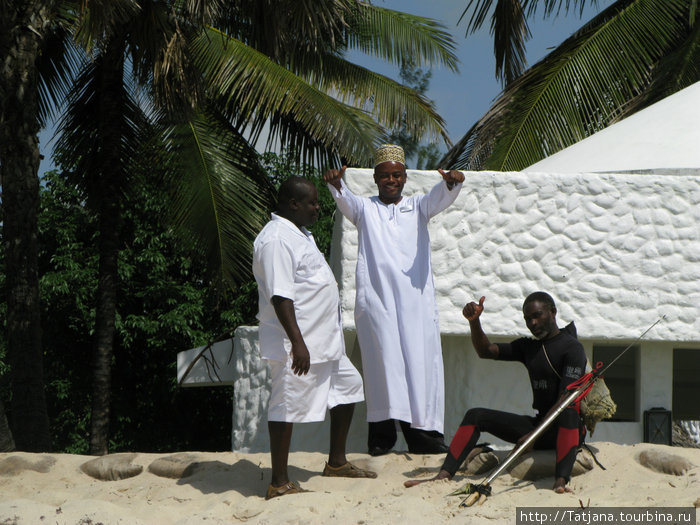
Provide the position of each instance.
(301, 336)
(395, 311)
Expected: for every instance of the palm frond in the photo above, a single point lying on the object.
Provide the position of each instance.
(199, 12)
(221, 196)
(284, 28)
(509, 27)
(577, 89)
(176, 82)
(557, 6)
(149, 33)
(79, 143)
(395, 36)
(479, 12)
(58, 64)
(290, 135)
(254, 88)
(510, 31)
(97, 20)
(390, 102)
(675, 71)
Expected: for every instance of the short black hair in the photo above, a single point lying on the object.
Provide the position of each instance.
(542, 297)
(293, 188)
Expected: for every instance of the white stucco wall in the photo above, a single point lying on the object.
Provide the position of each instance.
(615, 251)
(206, 365)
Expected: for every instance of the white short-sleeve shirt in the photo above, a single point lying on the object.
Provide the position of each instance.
(287, 263)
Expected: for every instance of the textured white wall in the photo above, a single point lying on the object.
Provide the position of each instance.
(211, 368)
(251, 393)
(615, 251)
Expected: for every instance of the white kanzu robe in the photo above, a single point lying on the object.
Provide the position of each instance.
(395, 311)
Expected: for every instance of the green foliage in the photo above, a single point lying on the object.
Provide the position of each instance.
(166, 304)
(629, 56)
(287, 164)
(215, 74)
(68, 269)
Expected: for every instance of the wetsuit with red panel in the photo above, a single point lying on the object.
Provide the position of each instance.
(552, 364)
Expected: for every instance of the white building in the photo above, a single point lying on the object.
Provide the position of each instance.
(616, 251)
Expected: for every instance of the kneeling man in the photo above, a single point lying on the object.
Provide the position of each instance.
(554, 359)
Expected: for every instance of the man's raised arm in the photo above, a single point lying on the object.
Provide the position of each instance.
(452, 177)
(484, 348)
(333, 177)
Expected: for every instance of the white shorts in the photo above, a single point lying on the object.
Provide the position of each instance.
(305, 399)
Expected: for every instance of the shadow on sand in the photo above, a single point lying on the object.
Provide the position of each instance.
(243, 476)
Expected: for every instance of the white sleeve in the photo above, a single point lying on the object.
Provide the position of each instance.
(276, 266)
(438, 199)
(349, 204)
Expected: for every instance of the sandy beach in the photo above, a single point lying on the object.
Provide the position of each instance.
(222, 488)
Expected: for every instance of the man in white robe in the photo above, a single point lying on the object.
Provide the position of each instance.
(395, 311)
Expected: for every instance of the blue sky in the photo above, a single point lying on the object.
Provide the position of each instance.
(461, 98)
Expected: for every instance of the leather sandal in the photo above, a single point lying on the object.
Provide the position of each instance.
(291, 487)
(347, 471)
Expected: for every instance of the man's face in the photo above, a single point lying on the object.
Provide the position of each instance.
(306, 208)
(540, 319)
(390, 178)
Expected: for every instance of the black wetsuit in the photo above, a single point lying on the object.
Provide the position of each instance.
(569, 360)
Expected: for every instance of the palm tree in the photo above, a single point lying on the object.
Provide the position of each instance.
(632, 54)
(23, 27)
(203, 80)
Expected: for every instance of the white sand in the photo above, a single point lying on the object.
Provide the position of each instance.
(230, 487)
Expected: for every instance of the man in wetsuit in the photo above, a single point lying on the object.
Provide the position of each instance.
(554, 359)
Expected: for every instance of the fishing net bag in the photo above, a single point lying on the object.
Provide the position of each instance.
(597, 405)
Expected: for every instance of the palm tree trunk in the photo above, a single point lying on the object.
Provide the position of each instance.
(109, 173)
(7, 444)
(19, 166)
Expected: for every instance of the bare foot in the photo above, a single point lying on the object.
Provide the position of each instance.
(443, 474)
(560, 486)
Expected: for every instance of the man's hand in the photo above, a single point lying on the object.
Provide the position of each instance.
(472, 311)
(301, 360)
(284, 308)
(333, 177)
(452, 177)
